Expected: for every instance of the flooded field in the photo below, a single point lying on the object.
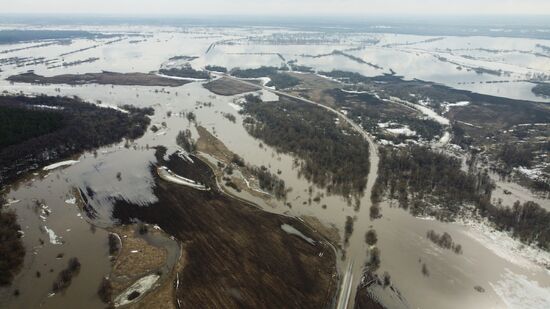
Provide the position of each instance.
(494, 271)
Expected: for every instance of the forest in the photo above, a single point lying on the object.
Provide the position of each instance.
(417, 177)
(514, 155)
(12, 251)
(185, 71)
(369, 111)
(282, 80)
(419, 173)
(300, 68)
(184, 140)
(542, 90)
(528, 222)
(254, 73)
(268, 181)
(444, 241)
(30, 123)
(71, 127)
(331, 156)
(216, 68)
(14, 36)
(277, 79)
(103, 78)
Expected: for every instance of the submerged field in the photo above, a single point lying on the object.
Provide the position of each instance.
(286, 147)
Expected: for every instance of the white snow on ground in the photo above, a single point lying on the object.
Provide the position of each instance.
(460, 103)
(170, 176)
(60, 164)
(506, 247)
(11, 202)
(469, 124)
(48, 107)
(141, 286)
(181, 78)
(327, 77)
(533, 124)
(248, 183)
(44, 212)
(268, 96)
(402, 131)
(264, 80)
(517, 291)
(54, 239)
(444, 140)
(424, 102)
(353, 91)
(384, 125)
(103, 105)
(424, 110)
(293, 231)
(531, 173)
(235, 106)
(71, 201)
(398, 128)
(433, 115)
(184, 155)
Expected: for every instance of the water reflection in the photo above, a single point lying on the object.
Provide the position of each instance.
(121, 171)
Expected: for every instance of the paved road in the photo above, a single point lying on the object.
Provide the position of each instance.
(349, 282)
(346, 288)
(355, 126)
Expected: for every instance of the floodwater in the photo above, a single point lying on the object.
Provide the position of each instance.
(507, 276)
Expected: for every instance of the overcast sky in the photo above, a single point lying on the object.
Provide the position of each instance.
(274, 7)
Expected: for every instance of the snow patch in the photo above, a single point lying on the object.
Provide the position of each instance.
(506, 247)
(424, 110)
(402, 131)
(531, 173)
(354, 91)
(141, 286)
(181, 78)
(517, 291)
(71, 201)
(444, 140)
(49, 107)
(170, 176)
(11, 202)
(460, 103)
(235, 106)
(293, 231)
(54, 239)
(60, 164)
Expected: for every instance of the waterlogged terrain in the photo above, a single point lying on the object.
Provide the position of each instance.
(492, 270)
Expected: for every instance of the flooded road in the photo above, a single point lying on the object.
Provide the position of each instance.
(491, 261)
(356, 253)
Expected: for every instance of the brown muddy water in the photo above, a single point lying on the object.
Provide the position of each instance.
(402, 238)
(490, 260)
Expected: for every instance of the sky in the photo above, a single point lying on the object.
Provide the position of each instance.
(280, 7)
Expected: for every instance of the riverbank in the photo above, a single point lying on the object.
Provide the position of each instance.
(144, 269)
(235, 252)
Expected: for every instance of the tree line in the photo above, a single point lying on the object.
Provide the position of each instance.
(419, 172)
(12, 251)
(417, 177)
(332, 156)
(277, 79)
(72, 127)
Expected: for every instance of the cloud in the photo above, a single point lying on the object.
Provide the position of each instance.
(277, 7)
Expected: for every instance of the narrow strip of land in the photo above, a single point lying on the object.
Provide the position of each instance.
(349, 283)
